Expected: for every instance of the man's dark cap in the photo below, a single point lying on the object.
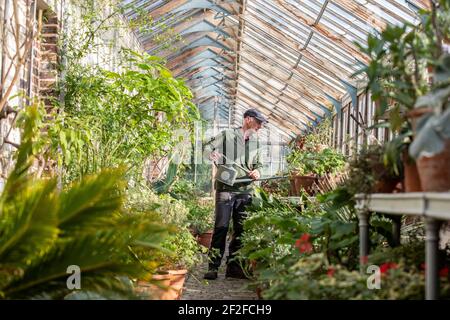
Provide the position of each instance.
(255, 114)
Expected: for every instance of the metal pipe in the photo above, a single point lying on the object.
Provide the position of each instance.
(363, 216)
(6, 6)
(431, 259)
(33, 12)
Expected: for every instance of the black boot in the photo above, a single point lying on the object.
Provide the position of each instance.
(235, 271)
(210, 275)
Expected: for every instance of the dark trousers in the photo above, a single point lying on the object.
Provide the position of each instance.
(228, 205)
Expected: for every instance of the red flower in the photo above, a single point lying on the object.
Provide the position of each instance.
(305, 237)
(385, 267)
(423, 266)
(443, 272)
(330, 272)
(305, 248)
(303, 244)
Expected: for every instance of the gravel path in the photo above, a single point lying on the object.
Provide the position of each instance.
(197, 288)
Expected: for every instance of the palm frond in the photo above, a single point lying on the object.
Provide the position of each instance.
(28, 226)
(100, 257)
(91, 203)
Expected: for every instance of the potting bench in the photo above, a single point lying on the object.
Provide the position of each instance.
(433, 206)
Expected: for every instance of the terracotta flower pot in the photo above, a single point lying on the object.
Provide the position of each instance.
(204, 239)
(434, 171)
(177, 279)
(411, 182)
(385, 186)
(259, 293)
(415, 114)
(158, 289)
(299, 183)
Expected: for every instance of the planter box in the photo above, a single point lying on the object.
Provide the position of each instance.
(299, 183)
(205, 238)
(177, 279)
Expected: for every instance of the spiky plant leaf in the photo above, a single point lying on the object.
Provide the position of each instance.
(91, 203)
(28, 225)
(101, 257)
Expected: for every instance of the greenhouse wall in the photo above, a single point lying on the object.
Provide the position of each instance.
(352, 127)
(40, 37)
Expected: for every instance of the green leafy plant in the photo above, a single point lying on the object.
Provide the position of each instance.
(433, 129)
(130, 114)
(304, 162)
(336, 228)
(180, 248)
(313, 278)
(368, 171)
(45, 230)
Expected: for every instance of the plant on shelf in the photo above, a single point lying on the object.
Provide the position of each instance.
(311, 162)
(401, 61)
(200, 217)
(182, 251)
(431, 145)
(368, 173)
(318, 163)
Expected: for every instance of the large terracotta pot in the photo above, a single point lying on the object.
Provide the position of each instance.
(158, 289)
(434, 171)
(385, 186)
(411, 182)
(177, 279)
(299, 183)
(415, 114)
(204, 239)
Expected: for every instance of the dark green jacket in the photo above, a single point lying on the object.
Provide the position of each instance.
(245, 153)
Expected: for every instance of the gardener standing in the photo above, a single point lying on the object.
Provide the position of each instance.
(241, 149)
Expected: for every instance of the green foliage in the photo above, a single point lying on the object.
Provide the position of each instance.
(270, 231)
(395, 72)
(433, 129)
(320, 162)
(127, 116)
(310, 154)
(276, 187)
(44, 230)
(312, 278)
(399, 58)
(180, 248)
(336, 229)
(200, 217)
(184, 251)
(367, 168)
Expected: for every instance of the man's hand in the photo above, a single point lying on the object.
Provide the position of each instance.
(254, 174)
(214, 156)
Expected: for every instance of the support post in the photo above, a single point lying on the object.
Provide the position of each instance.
(363, 216)
(431, 259)
(396, 227)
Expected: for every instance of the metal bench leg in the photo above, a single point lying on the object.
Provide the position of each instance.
(363, 216)
(431, 259)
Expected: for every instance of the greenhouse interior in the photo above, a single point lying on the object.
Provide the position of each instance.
(225, 150)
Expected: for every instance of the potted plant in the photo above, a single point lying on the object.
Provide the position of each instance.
(310, 164)
(431, 145)
(201, 221)
(311, 159)
(401, 61)
(395, 77)
(368, 173)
